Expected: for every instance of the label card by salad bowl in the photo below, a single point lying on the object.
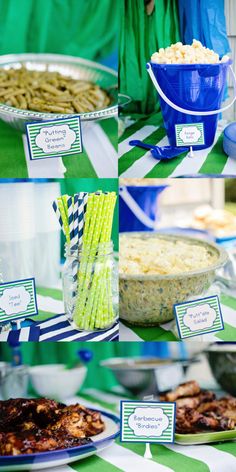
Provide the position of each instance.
(197, 317)
(54, 138)
(18, 300)
(147, 421)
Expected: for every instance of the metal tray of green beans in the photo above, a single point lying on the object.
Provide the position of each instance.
(68, 66)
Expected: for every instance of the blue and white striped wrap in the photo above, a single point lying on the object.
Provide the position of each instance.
(70, 217)
(57, 328)
(76, 243)
(58, 214)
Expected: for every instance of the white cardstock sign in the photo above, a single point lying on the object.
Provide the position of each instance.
(197, 317)
(17, 300)
(55, 138)
(190, 134)
(59, 137)
(147, 421)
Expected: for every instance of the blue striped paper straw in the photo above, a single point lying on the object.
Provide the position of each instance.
(75, 220)
(58, 214)
(78, 233)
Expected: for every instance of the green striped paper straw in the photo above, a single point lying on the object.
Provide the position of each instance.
(104, 310)
(93, 236)
(64, 218)
(83, 263)
(92, 257)
(86, 220)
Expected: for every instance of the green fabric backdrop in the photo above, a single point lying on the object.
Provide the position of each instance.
(75, 27)
(49, 353)
(140, 36)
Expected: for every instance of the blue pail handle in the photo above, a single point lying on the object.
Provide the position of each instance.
(183, 110)
(136, 210)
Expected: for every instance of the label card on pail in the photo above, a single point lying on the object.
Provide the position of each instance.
(191, 134)
(18, 300)
(197, 317)
(147, 421)
(55, 138)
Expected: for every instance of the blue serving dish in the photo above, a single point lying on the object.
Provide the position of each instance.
(62, 457)
(229, 140)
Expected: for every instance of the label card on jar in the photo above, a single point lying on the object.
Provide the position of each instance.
(197, 317)
(18, 300)
(54, 138)
(147, 421)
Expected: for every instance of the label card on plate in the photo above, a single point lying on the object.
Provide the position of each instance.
(147, 421)
(18, 300)
(55, 138)
(197, 317)
(189, 134)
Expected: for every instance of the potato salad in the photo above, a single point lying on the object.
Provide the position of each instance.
(157, 256)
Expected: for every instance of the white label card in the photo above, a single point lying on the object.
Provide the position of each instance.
(147, 421)
(197, 317)
(55, 138)
(18, 300)
(191, 134)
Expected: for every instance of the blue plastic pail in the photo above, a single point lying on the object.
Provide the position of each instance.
(138, 207)
(191, 93)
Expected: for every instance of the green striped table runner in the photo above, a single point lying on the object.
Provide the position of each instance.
(167, 331)
(127, 457)
(50, 303)
(136, 162)
(86, 164)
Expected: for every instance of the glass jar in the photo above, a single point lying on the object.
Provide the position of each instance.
(13, 381)
(90, 287)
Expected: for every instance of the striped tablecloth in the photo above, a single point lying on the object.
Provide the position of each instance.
(52, 325)
(98, 159)
(167, 331)
(135, 162)
(128, 457)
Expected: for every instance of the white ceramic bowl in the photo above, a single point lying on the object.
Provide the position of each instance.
(54, 381)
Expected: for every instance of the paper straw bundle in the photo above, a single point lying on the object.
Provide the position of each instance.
(86, 220)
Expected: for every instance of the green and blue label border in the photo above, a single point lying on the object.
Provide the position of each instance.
(58, 120)
(201, 332)
(148, 439)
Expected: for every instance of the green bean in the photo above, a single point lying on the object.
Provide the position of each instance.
(50, 91)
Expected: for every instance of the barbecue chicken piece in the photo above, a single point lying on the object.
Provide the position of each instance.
(37, 441)
(194, 402)
(223, 406)
(199, 410)
(189, 421)
(186, 419)
(16, 411)
(30, 426)
(78, 421)
(187, 389)
(190, 402)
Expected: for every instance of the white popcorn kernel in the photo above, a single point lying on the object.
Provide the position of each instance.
(225, 58)
(187, 54)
